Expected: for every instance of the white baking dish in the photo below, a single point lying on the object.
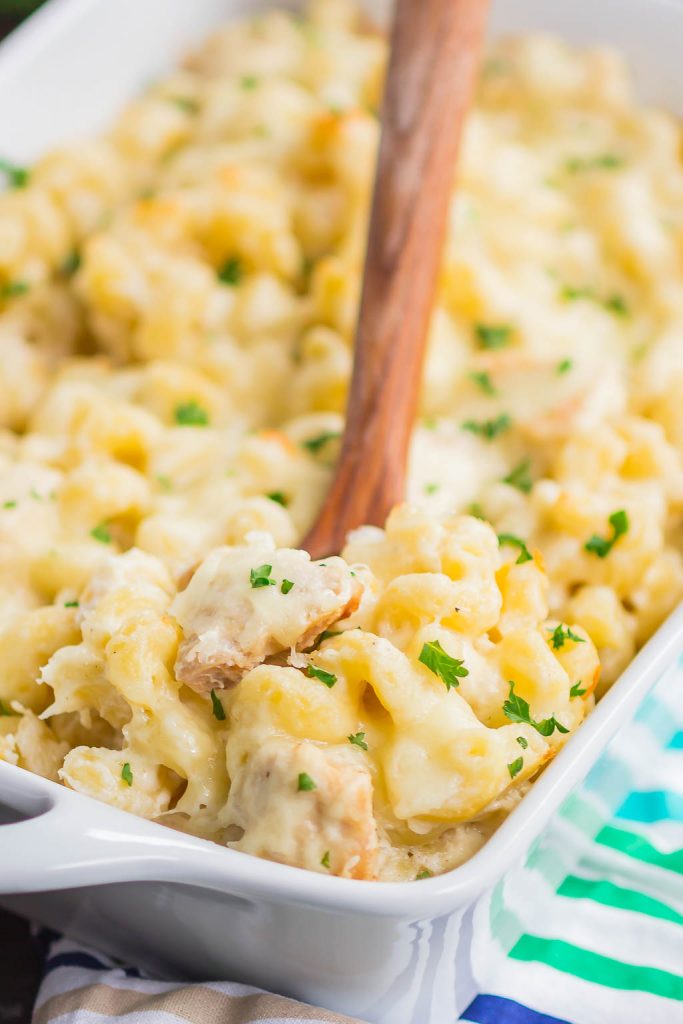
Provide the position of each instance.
(389, 954)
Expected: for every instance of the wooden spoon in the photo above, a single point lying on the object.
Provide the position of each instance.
(435, 51)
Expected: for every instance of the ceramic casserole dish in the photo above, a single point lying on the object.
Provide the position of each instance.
(395, 953)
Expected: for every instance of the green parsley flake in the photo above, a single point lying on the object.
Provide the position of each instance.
(488, 429)
(576, 690)
(127, 774)
(249, 82)
(314, 444)
(319, 673)
(327, 634)
(564, 366)
(432, 488)
(516, 542)
(449, 670)
(325, 859)
(515, 767)
(16, 176)
(520, 477)
(358, 739)
(517, 710)
(286, 586)
(612, 303)
(186, 104)
(5, 711)
(231, 271)
(484, 383)
(13, 289)
(260, 577)
(425, 873)
(164, 482)
(616, 304)
(279, 498)
(476, 510)
(523, 742)
(561, 634)
(102, 533)
(217, 707)
(191, 414)
(71, 604)
(600, 162)
(71, 264)
(601, 546)
(493, 336)
(305, 783)
(9, 504)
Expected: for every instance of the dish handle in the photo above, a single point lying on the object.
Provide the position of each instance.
(52, 838)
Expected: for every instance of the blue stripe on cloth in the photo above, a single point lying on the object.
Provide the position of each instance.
(652, 805)
(86, 961)
(498, 1010)
(676, 741)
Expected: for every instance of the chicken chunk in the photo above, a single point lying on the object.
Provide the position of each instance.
(308, 806)
(246, 604)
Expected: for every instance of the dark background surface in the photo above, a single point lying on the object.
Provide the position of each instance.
(19, 967)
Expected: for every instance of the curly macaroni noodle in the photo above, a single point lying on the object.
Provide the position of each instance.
(177, 305)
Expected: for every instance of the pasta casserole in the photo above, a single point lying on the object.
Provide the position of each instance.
(177, 308)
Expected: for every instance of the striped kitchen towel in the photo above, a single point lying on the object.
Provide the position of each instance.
(588, 931)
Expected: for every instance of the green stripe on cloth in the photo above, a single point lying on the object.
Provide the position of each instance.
(611, 895)
(594, 967)
(635, 846)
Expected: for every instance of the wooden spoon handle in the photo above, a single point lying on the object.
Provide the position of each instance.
(434, 59)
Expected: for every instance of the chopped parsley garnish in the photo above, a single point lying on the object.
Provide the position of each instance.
(493, 336)
(191, 414)
(449, 670)
(325, 859)
(515, 767)
(286, 586)
(217, 707)
(601, 546)
(231, 271)
(102, 533)
(260, 577)
(71, 264)
(249, 81)
(314, 444)
(71, 604)
(327, 634)
(601, 162)
(34, 494)
(186, 104)
(164, 482)
(484, 383)
(613, 303)
(475, 509)
(17, 176)
(517, 710)
(5, 712)
(9, 504)
(305, 783)
(13, 289)
(516, 542)
(430, 423)
(488, 429)
(358, 739)
(576, 690)
(432, 488)
(561, 634)
(520, 477)
(278, 497)
(328, 678)
(425, 873)
(616, 304)
(523, 742)
(564, 366)
(127, 774)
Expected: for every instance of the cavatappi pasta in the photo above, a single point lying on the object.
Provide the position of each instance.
(177, 302)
